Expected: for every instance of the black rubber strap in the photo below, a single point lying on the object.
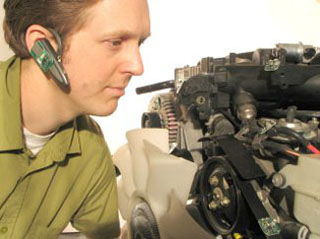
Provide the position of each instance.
(255, 204)
(239, 158)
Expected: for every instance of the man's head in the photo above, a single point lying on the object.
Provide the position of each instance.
(101, 40)
(65, 16)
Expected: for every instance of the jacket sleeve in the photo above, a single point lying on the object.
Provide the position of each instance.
(98, 216)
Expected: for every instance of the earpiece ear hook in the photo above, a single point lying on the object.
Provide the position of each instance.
(59, 43)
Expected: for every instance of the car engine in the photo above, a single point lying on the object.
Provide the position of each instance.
(242, 135)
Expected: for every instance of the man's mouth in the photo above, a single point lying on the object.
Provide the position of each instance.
(117, 91)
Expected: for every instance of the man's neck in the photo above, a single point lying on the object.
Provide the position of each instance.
(44, 106)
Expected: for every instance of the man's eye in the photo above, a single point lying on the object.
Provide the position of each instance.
(116, 42)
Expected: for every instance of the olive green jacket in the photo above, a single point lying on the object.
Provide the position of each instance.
(71, 179)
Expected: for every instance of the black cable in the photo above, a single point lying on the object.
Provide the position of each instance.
(278, 147)
(290, 132)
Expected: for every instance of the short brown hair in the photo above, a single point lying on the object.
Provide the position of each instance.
(64, 16)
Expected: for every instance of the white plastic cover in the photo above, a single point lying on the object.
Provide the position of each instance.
(163, 180)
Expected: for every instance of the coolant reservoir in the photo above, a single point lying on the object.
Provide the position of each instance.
(304, 178)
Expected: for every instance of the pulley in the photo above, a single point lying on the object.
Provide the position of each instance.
(221, 199)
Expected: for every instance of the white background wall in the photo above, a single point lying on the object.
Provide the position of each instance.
(184, 31)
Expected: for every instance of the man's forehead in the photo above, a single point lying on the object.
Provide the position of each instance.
(119, 9)
(120, 17)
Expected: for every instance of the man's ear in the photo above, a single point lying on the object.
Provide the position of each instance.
(37, 32)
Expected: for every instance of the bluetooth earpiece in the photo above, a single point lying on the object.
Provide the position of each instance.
(49, 60)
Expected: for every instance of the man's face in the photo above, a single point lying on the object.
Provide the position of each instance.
(103, 55)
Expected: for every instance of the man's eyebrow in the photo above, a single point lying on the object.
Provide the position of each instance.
(124, 33)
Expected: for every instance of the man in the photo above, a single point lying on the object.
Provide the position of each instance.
(54, 164)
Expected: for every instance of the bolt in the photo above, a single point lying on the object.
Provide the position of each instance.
(215, 196)
(278, 180)
(225, 202)
(214, 181)
(213, 205)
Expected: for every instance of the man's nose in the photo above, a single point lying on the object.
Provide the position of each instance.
(134, 64)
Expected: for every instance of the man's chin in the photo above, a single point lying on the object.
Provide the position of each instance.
(105, 111)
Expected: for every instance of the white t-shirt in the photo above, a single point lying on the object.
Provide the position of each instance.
(35, 142)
